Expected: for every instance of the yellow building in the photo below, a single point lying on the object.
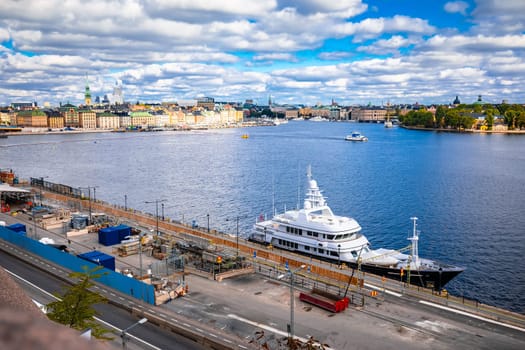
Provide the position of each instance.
(87, 119)
(35, 119)
(70, 114)
(143, 119)
(108, 121)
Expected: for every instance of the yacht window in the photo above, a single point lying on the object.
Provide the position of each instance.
(330, 237)
(354, 253)
(321, 251)
(308, 233)
(306, 247)
(315, 234)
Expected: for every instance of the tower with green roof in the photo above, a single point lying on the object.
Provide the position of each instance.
(87, 94)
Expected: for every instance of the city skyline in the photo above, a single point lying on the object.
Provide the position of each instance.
(350, 51)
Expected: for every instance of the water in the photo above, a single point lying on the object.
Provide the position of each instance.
(467, 190)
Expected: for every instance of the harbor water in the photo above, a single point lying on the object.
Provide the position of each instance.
(468, 190)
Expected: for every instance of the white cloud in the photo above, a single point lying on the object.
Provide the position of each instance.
(495, 16)
(457, 7)
(275, 57)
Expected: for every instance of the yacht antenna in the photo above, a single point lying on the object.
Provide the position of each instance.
(414, 239)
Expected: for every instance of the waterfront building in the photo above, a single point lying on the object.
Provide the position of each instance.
(87, 119)
(230, 115)
(34, 119)
(55, 120)
(5, 118)
(320, 111)
(108, 121)
(142, 119)
(369, 114)
(125, 121)
(291, 113)
(70, 114)
(161, 119)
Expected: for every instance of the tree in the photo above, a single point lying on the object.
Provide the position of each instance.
(75, 308)
(441, 112)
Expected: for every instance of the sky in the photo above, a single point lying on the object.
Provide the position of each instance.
(354, 52)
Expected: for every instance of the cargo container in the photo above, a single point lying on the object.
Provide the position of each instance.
(325, 300)
(18, 227)
(113, 235)
(99, 258)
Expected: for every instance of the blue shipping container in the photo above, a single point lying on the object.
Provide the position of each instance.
(18, 227)
(113, 235)
(99, 258)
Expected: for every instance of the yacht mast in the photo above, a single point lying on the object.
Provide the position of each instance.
(414, 239)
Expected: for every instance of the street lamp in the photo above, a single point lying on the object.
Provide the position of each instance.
(126, 202)
(124, 331)
(291, 273)
(208, 217)
(339, 254)
(156, 201)
(41, 186)
(89, 197)
(237, 238)
(162, 205)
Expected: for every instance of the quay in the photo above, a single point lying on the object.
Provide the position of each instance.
(384, 314)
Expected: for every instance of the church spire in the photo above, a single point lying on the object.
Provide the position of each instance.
(87, 93)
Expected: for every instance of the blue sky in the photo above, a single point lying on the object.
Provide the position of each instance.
(299, 52)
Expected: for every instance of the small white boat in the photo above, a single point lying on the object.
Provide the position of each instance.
(356, 136)
(388, 124)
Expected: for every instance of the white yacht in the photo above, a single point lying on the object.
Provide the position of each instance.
(315, 230)
(356, 136)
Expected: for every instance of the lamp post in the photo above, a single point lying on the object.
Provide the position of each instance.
(124, 331)
(89, 197)
(95, 194)
(291, 273)
(162, 206)
(156, 201)
(339, 254)
(208, 217)
(237, 238)
(41, 186)
(126, 202)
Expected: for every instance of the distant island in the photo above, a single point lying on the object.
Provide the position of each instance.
(476, 117)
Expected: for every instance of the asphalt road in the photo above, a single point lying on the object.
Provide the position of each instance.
(144, 336)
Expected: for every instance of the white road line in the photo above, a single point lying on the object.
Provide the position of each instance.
(199, 330)
(150, 346)
(263, 326)
(242, 346)
(227, 340)
(213, 335)
(187, 325)
(381, 289)
(464, 313)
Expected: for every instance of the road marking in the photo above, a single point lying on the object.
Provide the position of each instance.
(227, 340)
(263, 326)
(187, 325)
(213, 335)
(199, 330)
(464, 313)
(121, 298)
(150, 346)
(381, 289)
(112, 294)
(242, 346)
